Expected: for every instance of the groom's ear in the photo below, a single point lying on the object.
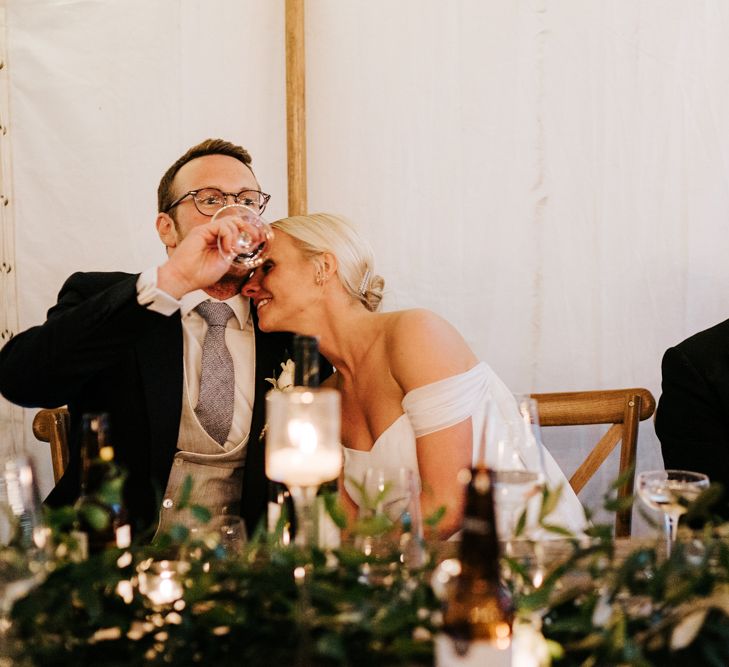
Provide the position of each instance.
(167, 231)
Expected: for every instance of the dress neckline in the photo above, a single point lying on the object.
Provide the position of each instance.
(424, 387)
(378, 440)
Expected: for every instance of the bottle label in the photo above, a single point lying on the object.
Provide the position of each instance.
(476, 525)
(479, 653)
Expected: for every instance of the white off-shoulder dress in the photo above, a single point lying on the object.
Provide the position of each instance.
(479, 394)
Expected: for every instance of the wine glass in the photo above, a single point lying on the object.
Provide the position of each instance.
(229, 534)
(249, 246)
(303, 447)
(24, 537)
(670, 492)
(517, 457)
(386, 492)
(389, 500)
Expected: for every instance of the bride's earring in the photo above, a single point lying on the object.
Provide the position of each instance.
(319, 279)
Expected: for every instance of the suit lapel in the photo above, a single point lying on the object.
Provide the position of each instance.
(160, 365)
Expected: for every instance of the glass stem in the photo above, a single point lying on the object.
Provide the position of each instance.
(304, 500)
(671, 532)
(511, 534)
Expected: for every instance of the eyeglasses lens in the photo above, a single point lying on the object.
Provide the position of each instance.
(210, 200)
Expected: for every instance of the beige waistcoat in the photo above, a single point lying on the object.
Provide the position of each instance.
(217, 472)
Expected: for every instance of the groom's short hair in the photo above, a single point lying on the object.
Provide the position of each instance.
(165, 196)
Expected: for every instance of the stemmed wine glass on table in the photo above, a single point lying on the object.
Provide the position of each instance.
(518, 460)
(24, 537)
(389, 505)
(303, 448)
(670, 492)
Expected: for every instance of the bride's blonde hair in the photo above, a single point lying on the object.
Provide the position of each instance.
(322, 232)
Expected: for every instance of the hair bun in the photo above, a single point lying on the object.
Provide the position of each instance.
(372, 293)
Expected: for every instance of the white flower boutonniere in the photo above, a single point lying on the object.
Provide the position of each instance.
(285, 380)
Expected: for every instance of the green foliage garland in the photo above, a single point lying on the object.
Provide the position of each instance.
(279, 606)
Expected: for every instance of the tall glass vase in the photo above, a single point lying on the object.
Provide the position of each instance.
(303, 448)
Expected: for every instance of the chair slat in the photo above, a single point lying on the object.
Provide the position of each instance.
(596, 457)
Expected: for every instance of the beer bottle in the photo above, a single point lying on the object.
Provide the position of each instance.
(477, 617)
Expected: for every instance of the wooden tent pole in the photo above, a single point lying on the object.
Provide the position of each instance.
(296, 106)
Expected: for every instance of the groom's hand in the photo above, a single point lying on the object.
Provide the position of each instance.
(196, 263)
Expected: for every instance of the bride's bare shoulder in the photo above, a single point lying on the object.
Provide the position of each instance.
(417, 322)
(423, 347)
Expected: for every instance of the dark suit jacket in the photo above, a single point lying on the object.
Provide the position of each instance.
(99, 350)
(692, 419)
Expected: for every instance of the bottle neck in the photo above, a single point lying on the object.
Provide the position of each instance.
(306, 361)
(479, 551)
(96, 451)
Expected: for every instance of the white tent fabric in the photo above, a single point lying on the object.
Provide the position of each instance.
(11, 417)
(552, 176)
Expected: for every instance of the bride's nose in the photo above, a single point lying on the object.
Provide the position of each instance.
(252, 285)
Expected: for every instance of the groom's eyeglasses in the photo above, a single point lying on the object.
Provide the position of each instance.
(209, 201)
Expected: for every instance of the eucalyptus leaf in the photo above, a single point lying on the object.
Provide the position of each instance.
(625, 476)
(110, 492)
(436, 517)
(335, 510)
(550, 500)
(200, 513)
(377, 524)
(96, 516)
(520, 524)
(184, 498)
(178, 533)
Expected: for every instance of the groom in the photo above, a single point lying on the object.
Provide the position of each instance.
(136, 346)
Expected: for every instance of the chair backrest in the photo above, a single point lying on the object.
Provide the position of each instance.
(52, 426)
(624, 409)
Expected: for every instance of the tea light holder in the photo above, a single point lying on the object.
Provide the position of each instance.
(162, 582)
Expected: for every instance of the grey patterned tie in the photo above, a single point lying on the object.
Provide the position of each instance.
(217, 387)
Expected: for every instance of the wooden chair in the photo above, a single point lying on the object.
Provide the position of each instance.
(624, 409)
(52, 426)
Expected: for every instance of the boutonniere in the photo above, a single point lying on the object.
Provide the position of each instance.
(285, 380)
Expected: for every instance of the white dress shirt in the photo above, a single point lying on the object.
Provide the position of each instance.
(239, 337)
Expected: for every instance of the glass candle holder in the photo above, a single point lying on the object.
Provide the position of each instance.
(303, 447)
(162, 582)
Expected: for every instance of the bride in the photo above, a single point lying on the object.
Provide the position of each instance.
(413, 393)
